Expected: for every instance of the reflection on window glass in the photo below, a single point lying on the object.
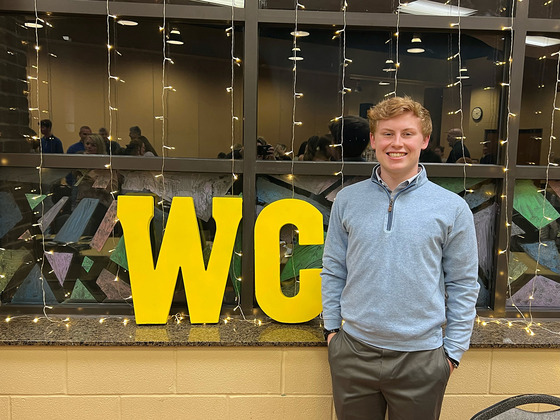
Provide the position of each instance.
(537, 105)
(545, 9)
(72, 221)
(416, 7)
(320, 191)
(428, 71)
(534, 265)
(75, 85)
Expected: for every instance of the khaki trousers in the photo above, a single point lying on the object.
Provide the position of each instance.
(368, 381)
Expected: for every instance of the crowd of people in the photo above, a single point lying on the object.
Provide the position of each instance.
(99, 143)
(348, 139)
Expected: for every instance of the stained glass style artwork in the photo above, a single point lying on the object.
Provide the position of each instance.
(60, 263)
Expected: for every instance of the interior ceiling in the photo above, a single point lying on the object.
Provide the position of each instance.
(209, 39)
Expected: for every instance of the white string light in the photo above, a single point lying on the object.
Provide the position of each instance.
(295, 94)
(164, 147)
(40, 167)
(234, 62)
(397, 62)
(343, 89)
(505, 143)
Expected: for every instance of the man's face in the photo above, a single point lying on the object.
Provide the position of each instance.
(398, 143)
(44, 130)
(84, 132)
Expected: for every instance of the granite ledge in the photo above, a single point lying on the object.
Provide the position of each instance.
(234, 332)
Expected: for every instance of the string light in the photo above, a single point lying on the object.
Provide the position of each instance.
(234, 61)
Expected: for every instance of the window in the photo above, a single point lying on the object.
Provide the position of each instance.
(232, 101)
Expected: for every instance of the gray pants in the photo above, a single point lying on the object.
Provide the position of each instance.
(368, 381)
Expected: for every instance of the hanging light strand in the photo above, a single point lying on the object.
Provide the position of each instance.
(111, 109)
(505, 143)
(343, 89)
(397, 59)
(460, 110)
(40, 167)
(234, 61)
(164, 147)
(295, 94)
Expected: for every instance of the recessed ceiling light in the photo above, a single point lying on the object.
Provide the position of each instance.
(66, 38)
(299, 34)
(432, 8)
(541, 41)
(127, 22)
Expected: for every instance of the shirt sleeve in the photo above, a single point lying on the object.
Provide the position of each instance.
(460, 266)
(333, 275)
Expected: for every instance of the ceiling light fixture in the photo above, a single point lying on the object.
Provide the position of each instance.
(432, 8)
(175, 37)
(541, 41)
(32, 24)
(463, 75)
(415, 49)
(299, 34)
(127, 22)
(236, 3)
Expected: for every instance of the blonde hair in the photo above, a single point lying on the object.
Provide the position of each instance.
(99, 142)
(396, 106)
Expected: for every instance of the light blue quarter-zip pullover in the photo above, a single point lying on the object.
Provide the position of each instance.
(389, 263)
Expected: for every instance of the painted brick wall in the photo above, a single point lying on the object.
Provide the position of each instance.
(230, 383)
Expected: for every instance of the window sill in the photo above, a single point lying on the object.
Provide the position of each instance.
(114, 331)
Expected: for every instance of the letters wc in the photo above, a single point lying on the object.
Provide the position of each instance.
(153, 287)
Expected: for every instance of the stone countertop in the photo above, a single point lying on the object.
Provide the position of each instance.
(233, 332)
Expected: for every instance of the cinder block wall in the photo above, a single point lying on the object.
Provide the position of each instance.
(268, 383)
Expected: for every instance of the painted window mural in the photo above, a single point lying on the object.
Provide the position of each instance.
(69, 235)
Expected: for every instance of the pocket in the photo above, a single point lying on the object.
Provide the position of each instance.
(333, 345)
(446, 367)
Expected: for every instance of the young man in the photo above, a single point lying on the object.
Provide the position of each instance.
(399, 262)
(49, 143)
(79, 147)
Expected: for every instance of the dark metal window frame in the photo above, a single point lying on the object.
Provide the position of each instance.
(250, 17)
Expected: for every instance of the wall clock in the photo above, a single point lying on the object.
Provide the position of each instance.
(476, 113)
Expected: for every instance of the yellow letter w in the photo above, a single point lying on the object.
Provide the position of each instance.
(152, 288)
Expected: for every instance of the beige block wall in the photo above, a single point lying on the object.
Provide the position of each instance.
(231, 383)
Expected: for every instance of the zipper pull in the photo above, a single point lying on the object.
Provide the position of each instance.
(390, 205)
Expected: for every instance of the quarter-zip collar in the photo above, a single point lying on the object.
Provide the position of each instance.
(404, 186)
(375, 177)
